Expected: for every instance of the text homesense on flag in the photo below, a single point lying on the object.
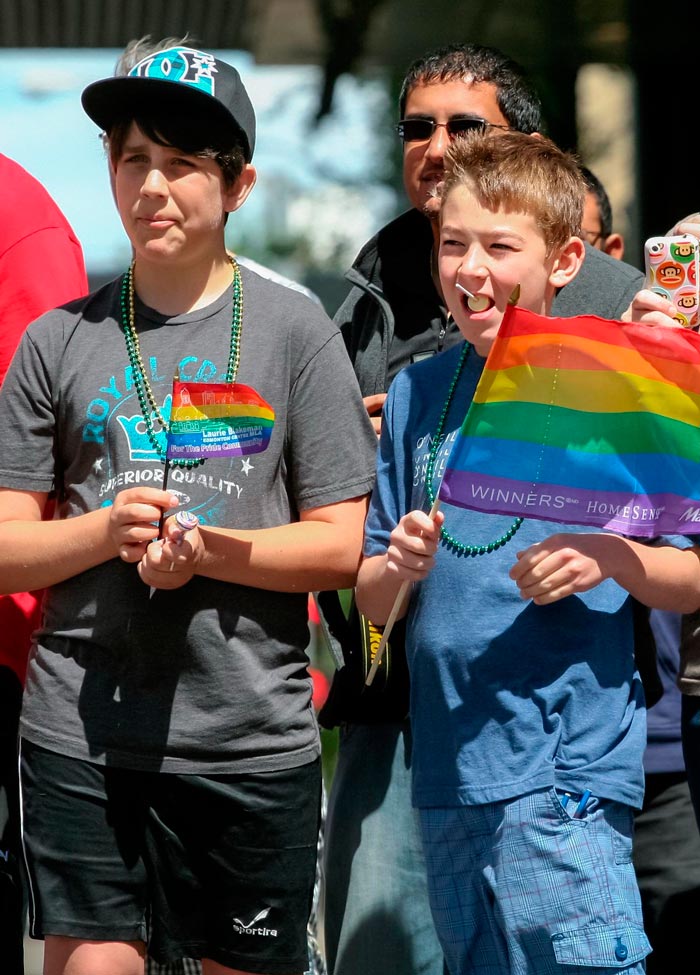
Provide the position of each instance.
(584, 421)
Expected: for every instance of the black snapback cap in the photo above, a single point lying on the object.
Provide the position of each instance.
(179, 79)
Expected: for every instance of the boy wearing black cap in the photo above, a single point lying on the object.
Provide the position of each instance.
(170, 755)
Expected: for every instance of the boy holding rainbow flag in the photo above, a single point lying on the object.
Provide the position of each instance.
(527, 712)
(170, 753)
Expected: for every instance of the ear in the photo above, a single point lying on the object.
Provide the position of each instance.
(566, 265)
(614, 245)
(236, 195)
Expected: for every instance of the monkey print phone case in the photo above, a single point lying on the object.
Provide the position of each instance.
(673, 270)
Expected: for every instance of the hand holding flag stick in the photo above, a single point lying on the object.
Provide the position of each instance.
(212, 420)
(389, 625)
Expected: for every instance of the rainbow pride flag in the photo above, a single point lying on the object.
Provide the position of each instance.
(587, 422)
(217, 420)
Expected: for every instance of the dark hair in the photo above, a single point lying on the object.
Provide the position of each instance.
(196, 137)
(517, 100)
(594, 186)
(520, 174)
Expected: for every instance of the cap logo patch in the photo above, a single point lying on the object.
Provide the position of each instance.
(181, 64)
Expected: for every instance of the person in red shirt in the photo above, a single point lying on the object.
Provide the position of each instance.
(41, 267)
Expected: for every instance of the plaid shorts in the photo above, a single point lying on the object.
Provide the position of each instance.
(530, 886)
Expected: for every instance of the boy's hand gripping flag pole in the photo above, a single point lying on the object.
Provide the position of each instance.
(389, 625)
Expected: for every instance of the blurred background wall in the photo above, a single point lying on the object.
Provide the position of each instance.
(616, 78)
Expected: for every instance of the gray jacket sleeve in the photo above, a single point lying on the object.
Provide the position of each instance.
(602, 287)
(366, 324)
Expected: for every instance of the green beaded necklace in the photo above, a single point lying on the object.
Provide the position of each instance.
(461, 548)
(147, 400)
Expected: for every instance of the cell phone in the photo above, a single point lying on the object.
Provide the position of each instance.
(672, 267)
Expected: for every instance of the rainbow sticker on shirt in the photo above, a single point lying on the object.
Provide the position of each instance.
(217, 420)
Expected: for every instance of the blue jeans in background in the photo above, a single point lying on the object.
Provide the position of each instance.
(377, 918)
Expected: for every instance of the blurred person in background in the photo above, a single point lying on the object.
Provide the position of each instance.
(41, 266)
(667, 839)
(597, 223)
(690, 638)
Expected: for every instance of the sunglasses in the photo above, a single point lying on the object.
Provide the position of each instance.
(421, 129)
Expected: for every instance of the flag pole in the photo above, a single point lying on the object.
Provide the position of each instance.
(161, 520)
(389, 625)
(166, 469)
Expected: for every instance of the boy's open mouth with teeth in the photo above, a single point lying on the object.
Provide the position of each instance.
(474, 302)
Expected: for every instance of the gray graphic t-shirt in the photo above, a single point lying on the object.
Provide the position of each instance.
(211, 676)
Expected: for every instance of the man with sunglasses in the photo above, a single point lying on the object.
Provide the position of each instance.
(377, 917)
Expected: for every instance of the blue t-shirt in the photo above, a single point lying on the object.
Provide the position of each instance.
(506, 697)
